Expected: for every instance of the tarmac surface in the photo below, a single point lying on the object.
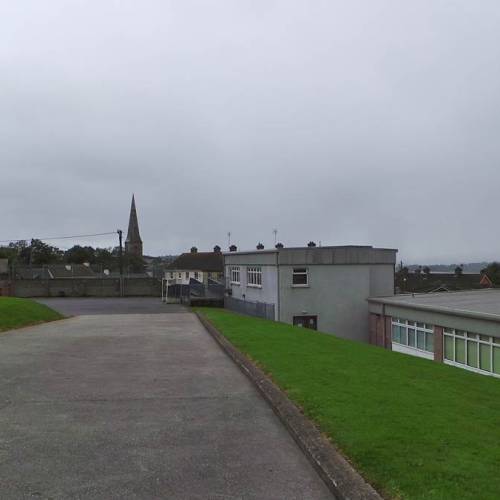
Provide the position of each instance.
(126, 305)
(138, 406)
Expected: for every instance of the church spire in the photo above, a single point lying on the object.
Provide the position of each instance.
(133, 243)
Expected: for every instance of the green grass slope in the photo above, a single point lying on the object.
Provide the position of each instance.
(15, 312)
(414, 428)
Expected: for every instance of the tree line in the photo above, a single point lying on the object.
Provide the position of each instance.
(39, 253)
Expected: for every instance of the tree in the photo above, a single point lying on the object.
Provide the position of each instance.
(459, 271)
(39, 253)
(427, 271)
(78, 255)
(493, 272)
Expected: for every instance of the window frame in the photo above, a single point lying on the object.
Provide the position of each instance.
(471, 338)
(234, 275)
(300, 271)
(254, 276)
(423, 328)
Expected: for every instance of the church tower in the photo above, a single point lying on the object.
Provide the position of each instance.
(133, 243)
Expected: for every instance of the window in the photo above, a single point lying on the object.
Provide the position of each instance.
(477, 352)
(299, 276)
(196, 275)
(235, 275)
(187, 275)
(171, 275)
(254, 276)
(418, 336)
(180, 275)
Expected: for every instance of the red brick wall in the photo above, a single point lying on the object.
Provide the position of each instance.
(438, 344)
(388, 332)
(380, 330)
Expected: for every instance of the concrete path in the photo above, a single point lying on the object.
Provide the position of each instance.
(138, 406)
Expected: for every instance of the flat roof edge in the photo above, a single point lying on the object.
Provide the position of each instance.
(462, 313)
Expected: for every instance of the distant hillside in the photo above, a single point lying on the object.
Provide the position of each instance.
(471, 267)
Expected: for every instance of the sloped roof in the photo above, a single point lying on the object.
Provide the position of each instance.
(133, 235)
(199, 261)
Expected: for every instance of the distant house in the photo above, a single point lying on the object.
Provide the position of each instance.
(203, 267)
(435, 281)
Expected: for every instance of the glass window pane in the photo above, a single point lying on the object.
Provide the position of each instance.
(472, 354)
(472, 335)
(484, 338)
(420, 325)
(420, 339)
(496, 360)
(496, 340)
(485, 357)
(448, 347)
(459, 332)
(460, 350)
(429, 342)
(404, 339)
(396, 334)
(411, 337)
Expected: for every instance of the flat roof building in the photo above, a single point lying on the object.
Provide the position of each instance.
(457, 328)
(322, 288)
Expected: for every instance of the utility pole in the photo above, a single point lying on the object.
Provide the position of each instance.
(275, 232)
(120, 256)
(229, 239)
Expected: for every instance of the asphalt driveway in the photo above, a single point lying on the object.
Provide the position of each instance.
(70, 306)
(138, 406)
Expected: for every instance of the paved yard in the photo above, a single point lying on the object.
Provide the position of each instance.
(138, 406)
(127, 305)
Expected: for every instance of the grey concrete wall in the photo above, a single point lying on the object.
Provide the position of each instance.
(90, 287)
(341, 279)
(337, 294)
(269, 291)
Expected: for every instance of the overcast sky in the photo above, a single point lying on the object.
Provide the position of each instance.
(345, 122)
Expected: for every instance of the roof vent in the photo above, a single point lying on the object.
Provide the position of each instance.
(279, 245)
(194, 250)
(311, 244)
(260, 246)
(233, 248)
(217, 249)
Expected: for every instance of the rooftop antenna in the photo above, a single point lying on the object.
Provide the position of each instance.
(275, 232)
(229, 239)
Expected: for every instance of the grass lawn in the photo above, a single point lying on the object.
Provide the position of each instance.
(15, 312)
(414, 428)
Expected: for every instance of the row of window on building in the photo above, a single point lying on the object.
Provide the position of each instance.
(187, 275)
(300, 276)
(466, 349)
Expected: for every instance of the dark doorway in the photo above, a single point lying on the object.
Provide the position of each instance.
(310, 322)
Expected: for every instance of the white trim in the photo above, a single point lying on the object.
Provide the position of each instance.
(412, 351)
(233, 271)
(452, 333)
(253, 286)
(470, 368)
